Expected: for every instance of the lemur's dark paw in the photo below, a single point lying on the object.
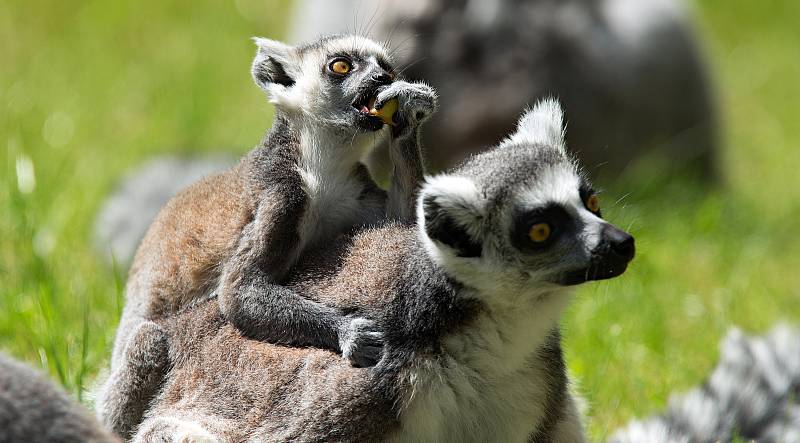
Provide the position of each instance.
(361, 341)
(417, 102)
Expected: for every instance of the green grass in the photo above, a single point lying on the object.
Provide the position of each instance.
(89, 89)
(706, 261)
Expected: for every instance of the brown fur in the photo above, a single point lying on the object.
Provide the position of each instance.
(182, 253)
(239, 233)
(226, 386)
(237, 388)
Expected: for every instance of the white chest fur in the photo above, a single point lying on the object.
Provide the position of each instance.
(333, 205)
(326, 168)
(488, 386)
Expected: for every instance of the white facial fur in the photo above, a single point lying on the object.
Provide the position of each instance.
(312, 96)
(560, 184)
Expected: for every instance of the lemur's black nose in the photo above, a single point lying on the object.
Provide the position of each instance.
(622, 243)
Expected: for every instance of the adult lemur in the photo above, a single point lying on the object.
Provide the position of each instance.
(239, 233)
(469, 300)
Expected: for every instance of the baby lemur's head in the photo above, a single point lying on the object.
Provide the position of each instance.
(522, 217)
(331, 81)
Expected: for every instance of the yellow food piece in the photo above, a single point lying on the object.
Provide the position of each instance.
(386, 113)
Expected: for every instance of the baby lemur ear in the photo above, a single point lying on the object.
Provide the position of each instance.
(542, 125)
(450, 212)
(272, 65)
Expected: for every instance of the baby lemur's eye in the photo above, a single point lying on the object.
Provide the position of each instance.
(340, 66)
(539, 232)
(593, 203)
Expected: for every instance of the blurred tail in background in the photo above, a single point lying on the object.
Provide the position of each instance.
(752, 394)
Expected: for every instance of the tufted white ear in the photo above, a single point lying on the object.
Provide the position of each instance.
(273, 68)
(450, 213)
(542, 124)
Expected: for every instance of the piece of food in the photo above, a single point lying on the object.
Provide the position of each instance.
(386, 113)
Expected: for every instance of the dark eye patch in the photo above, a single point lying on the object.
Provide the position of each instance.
(385, 65)
(585, 191)
(555, 215)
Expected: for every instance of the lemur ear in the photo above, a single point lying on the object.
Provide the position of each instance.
(542, 124)
(271, 67)
(450, 212)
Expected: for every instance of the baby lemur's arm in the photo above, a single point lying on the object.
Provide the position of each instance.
(408, 169)
(252, 298)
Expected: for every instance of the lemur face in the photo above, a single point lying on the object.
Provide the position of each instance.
(524, 213)
(555, 230)
(331, 81)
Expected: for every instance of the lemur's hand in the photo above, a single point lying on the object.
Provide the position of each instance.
(417, 102)
(361, 341)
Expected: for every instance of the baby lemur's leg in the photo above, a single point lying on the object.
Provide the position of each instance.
(417, 102)
(252, 298)
(126, 395)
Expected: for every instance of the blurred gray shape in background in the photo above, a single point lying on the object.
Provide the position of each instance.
(127, 213)
(629, 73)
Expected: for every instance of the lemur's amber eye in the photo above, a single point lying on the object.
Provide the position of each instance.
(539, 232)
(340, 67)
(593, 203)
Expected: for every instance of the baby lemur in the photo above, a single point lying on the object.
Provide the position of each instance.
(238, 234)
(470, 301)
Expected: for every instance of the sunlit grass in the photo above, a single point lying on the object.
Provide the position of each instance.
(89, 89)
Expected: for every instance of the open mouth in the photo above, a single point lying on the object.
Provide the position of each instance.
(362, 105)
(365, 102)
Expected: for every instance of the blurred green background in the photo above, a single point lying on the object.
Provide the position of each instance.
(90, 89)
